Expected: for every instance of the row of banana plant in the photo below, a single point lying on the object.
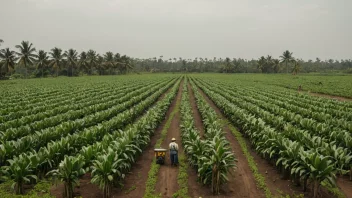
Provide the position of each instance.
(281, 117)
(62, 104)
(34, 142)
(107, 108)
(329, 142)
(296, 100)
(110, 159)
(27, 102)
(306, 109)
(82, 127)
(22, 167)
(72, 103)
(289, 156)
(211, 157)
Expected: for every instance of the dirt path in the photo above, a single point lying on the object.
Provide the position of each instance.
(339, 98)
(196, 115)
(346, 185)
(167, 176)
(241, 181)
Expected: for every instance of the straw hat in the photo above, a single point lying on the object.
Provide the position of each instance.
(173, 139)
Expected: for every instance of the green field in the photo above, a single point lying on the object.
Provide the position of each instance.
(101, 124)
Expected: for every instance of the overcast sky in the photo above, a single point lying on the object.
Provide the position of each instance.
(183, 28)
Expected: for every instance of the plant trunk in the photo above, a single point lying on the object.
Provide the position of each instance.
(305, 184)
(351, 173)
(19, 188)
(68, 190)
(297, 180)
(316, 189)
(286, 67)
(42, 72)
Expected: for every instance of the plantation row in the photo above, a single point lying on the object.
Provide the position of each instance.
(210, 155)
(74, 144)
(300, 144)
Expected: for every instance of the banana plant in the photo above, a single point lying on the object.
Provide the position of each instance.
(20, 171)
(315, 167)
(105, 170)
(69, 171)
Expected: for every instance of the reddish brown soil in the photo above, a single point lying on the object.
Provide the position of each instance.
(340, 98)
(196, 114)
(346, 185)
(241, 180)
(136, 177)
(167, 176)
(85, 189)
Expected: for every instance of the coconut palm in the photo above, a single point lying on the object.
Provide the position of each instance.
(1, 41)
(100, 64)
(296, 67)
(228, 65)
(92, 60)
(83, 61)
(69, 171)
(26, 54)
(109, 60)
(276, 65)
(8, 59)
(57, 59)
(261, 63)
(287, 58)
(42, 60)
(125, 63)
(71, 58)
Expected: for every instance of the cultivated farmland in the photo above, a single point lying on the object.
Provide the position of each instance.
(95, 136)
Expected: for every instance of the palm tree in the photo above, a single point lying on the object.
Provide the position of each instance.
(69, 171)
(287, 58)
(296, 67)
(8, 60)
(261, 63)
(276, 64)
(125, 64)
(1, 41)
(57, 58)
(100, 64)
(83, 61)
(71, 58)
(26, 54)
(228, 65)
(109, 60)
(92, 60)
(42, 60)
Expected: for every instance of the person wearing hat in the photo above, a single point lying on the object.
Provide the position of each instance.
(173, 146)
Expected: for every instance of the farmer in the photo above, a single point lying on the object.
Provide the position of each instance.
(173, 146)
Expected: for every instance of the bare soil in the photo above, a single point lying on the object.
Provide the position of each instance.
(339, 98)
(196, 114)
(241, 180)
(345, 185)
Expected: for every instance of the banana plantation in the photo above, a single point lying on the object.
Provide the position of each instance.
(95, 136)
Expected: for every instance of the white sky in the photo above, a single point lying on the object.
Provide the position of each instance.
(183, 28)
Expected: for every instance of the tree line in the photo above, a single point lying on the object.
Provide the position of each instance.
(29, 62)
(26, 61)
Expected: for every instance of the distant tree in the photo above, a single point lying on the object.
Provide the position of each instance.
(261, 63)
(71, 58)
(42, 61)
(83, 61)
(109, 60)
(237, 65)
(296, 67)
(228, 65)
(287, 58)
(276, 65)
(8, 59)
(26, 54)
(56, 59)
(1, 41)
(92, 60)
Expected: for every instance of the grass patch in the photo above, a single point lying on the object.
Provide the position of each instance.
(41, 189)
(154, 169)
(182, 179)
